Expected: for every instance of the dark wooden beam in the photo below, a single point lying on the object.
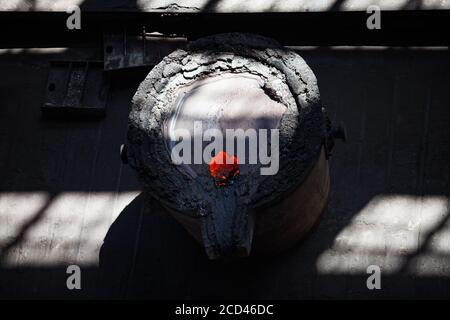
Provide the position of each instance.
(398, 28)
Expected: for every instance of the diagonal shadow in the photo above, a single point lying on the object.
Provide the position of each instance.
(424, 245)
(35, 219)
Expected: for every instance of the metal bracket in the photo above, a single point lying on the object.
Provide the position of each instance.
(76, 87)
(127, 50)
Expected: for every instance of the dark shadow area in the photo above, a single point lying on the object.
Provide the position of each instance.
(336, 5)
(210, 6)
(412, 5)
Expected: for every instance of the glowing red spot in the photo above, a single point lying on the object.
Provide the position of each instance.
(223, 168)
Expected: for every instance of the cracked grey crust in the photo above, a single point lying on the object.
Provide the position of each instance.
(282, 75)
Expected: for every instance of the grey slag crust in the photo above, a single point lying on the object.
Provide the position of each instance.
(225, 212)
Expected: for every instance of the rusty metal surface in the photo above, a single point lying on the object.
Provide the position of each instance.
(282, 225)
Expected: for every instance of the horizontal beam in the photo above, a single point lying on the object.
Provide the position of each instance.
(398, 28)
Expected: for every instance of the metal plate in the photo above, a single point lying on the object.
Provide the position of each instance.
(127, 50)
(76, 87)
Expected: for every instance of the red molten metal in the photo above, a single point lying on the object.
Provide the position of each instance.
(223, 168)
